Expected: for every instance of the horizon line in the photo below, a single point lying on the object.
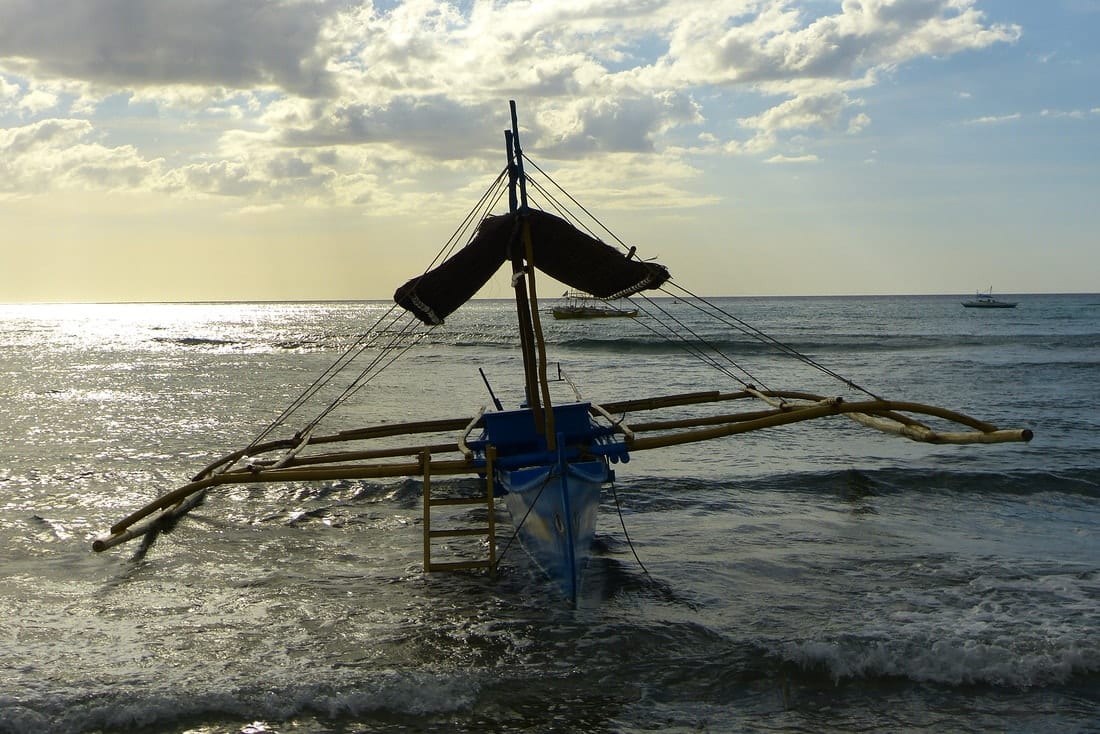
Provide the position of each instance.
(502, 298)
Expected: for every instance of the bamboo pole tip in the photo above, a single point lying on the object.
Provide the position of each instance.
(1027, 434)
(99, 545)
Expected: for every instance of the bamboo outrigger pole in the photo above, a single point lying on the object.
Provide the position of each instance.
(884, 415)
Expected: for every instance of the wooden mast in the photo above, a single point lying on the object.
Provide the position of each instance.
(523, 281)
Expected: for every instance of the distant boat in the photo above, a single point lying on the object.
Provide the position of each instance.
(986, 300)
(583, 306)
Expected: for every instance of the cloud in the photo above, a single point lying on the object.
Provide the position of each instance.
(779, 47)
(53, 154)
(1072, 114)
(857, 123)
(265, 100)
(801, 112)
(38, 101)
(994, 119)
(810, 158)
(130, 43)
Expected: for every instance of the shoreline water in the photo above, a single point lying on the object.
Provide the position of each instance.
(817, 579)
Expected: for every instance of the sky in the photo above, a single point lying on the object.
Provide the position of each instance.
(154, 150)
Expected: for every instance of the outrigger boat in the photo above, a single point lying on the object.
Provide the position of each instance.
(583, 306)
(547, 461)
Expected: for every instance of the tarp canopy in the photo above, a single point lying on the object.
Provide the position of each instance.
(558, 248)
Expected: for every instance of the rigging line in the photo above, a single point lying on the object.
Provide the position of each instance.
(397, 342)
(485, 204)
(516, 527)
(683, 343)
(319, 384)
(763, 337)
(361, 381)
(730, 320)
(744, 327)
(360, 378)
(717, 352)
(566, 214)
(696, 350)
(480, 213)
(577, 203)
(625, 533)
(347, 357)
(487, 201)
(476, 214)
(677, 339)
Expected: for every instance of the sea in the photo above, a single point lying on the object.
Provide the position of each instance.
(819, 577)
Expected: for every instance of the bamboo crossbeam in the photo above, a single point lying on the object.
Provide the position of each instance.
(353, 471)
(710, 420)
(885, 415)
(335, 458)
(669, 401)
(982, 433)
(445, 425)
(773, 419)
(356, 434)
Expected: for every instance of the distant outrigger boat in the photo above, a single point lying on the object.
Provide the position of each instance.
(547, 461)
(986, 300)
(583, 306)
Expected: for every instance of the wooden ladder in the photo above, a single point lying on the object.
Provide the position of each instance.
(488, 531)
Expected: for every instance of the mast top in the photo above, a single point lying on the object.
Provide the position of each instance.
(515, 163)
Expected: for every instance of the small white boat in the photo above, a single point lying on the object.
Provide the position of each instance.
(986, 300)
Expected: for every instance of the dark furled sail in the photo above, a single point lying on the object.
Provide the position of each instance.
(558, 249)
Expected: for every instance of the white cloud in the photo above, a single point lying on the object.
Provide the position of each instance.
(858, 123)
(994, 119)
(38, 101)
(318, 100)
(8, 91)
(809, 158)
(1072, 114)
(53, 154)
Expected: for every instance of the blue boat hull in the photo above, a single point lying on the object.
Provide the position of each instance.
(553, 494)
(554, 508)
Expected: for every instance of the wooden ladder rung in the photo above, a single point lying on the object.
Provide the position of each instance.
(458, 532)
(458, 565)
(458, 501)
(486, 501)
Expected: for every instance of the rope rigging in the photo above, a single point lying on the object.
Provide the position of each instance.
(700, 348)
(394, 335)
(401, 329)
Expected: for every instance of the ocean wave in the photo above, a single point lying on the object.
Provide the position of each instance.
(681, 491)
(947, 656)
(836, 343)
(196, 341)
(126, 707)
